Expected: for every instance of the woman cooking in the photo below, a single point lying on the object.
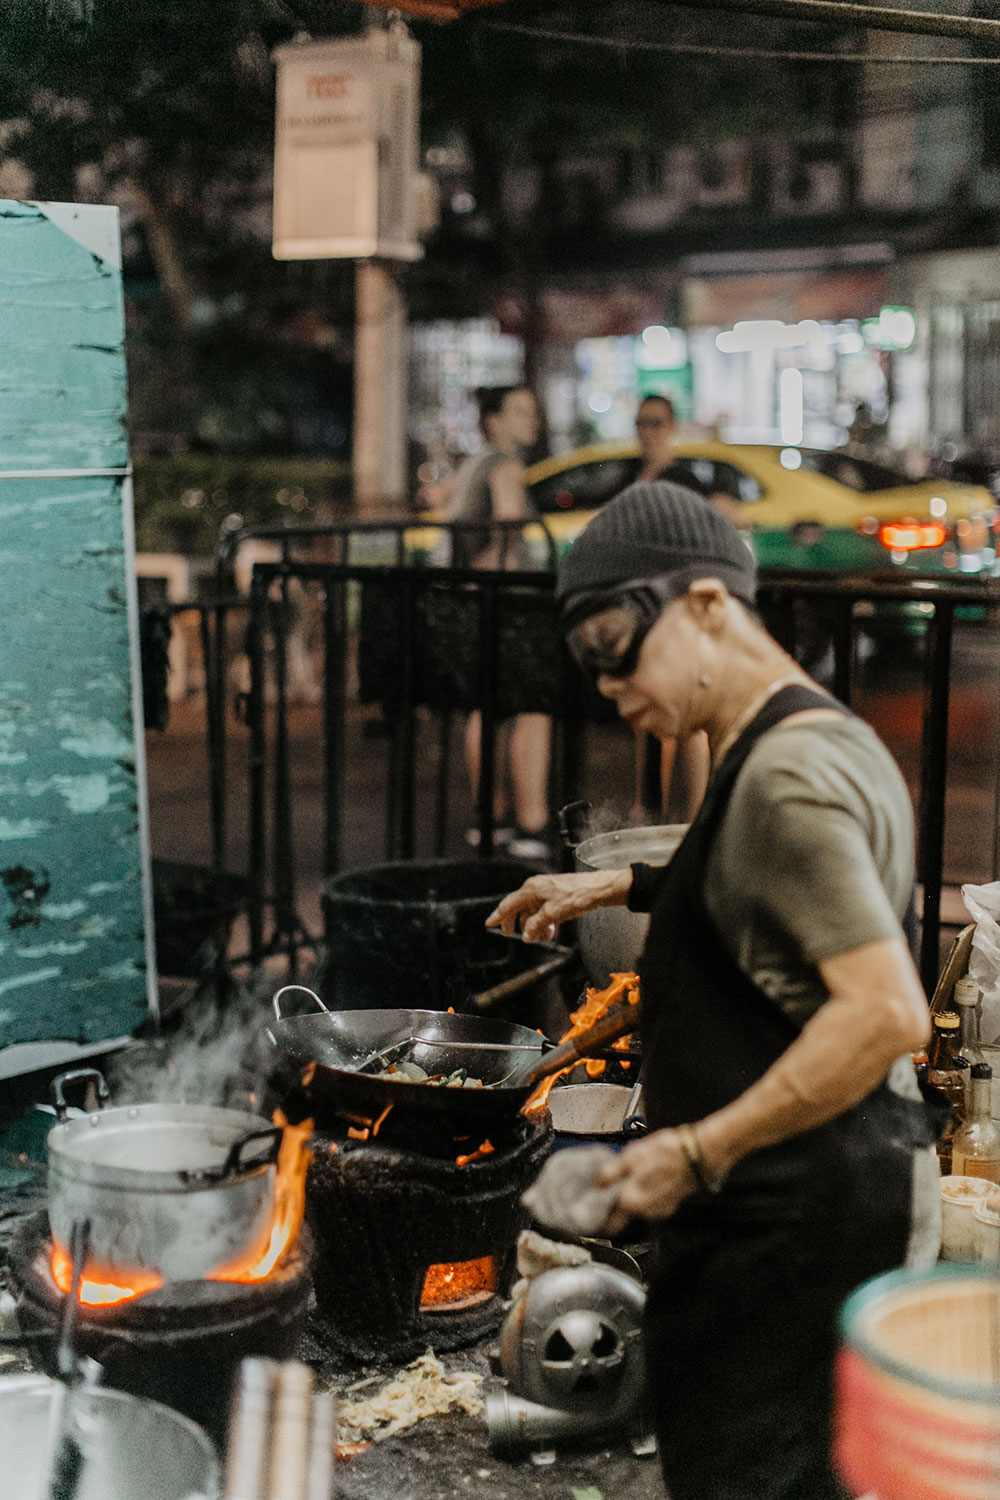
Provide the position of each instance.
(789, 1156)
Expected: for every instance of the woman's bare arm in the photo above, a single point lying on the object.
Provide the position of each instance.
(546, 900)
(876, 1013)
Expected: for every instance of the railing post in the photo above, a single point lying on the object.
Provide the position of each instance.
(488, 677)
(933, 785)
(334, 715)
(257, 830)
(843, 651)
(282, 832)
(405, 728)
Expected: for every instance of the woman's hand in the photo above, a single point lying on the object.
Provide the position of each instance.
(546, 900)
(653, 1178)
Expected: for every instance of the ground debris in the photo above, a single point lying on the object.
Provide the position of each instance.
(423, 1389)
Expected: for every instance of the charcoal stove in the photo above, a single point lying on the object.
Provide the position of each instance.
(179, 1344)
(417, 1247)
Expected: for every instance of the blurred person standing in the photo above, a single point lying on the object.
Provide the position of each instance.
(655, 427)
(490, 487)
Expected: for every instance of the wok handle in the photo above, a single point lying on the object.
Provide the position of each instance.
(57, 1088)
(507, 988)
(303, 990)
(619, 1021)
(234, 1162)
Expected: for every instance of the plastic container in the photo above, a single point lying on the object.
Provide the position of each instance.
(917, 1403)
(959, 1196)
(986, 1223)
(990, 1053)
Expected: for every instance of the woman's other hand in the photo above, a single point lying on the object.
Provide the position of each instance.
(544, 901)
(652, 1177)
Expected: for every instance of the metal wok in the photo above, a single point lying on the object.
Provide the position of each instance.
(331, 1053)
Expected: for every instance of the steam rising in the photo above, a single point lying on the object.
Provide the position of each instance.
(212, 1057)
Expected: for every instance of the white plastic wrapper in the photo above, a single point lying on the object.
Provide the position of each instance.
(983, 905)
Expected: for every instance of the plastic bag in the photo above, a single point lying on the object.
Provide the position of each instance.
(983, 905)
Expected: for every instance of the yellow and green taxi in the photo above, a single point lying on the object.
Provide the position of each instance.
(802, 508)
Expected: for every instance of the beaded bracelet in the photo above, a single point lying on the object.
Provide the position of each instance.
(706, 1180)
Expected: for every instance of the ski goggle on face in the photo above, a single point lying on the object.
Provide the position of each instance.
(607, 642)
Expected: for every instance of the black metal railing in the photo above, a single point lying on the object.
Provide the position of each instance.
(418, 646)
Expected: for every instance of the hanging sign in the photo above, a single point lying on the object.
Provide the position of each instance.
(346, 148)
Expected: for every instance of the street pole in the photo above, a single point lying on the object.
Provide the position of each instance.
(379, 389)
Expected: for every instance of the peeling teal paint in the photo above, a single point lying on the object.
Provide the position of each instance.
(72, 963)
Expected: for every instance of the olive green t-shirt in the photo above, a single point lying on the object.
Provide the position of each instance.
(814, 856)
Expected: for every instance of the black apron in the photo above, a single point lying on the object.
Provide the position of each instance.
(742, 1310)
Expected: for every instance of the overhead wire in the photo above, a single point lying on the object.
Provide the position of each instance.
(696, 49)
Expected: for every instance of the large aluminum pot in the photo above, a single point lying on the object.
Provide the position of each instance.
(179, 1189)
(132, 1449)
(612, 938)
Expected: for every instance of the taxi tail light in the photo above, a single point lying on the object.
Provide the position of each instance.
(911, 536)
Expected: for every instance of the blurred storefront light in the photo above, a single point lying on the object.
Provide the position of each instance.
(790, 406)
(763, 334)
(660, 348)
(894, 330)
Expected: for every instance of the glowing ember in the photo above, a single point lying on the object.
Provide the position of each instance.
(460, 1284)
(596, 1003)
(486, 1149)
(103, 1286)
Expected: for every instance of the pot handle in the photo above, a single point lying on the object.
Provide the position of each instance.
(234, 1162)
(57, 1088)
(571, 819)
(304, 990)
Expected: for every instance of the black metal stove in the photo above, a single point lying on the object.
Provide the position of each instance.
(417, 1247)
(180, 1344)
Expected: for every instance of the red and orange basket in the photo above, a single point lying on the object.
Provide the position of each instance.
(917, 1412)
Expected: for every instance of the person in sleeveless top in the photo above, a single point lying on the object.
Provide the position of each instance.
(789, 1156)
(490, 487)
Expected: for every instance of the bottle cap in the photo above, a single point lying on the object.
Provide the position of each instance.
(947, 1020)
(966, 992)
(962, 1062)
(982, 1070)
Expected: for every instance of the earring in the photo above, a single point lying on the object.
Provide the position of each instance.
(704, 680)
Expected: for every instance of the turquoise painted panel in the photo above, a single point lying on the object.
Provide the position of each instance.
(62, 368)
(72, 939)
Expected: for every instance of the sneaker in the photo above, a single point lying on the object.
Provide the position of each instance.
(502, 835)
(531, 844)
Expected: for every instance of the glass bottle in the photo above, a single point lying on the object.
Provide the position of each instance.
(946, 1073)
(965, 999)
(976, 1144)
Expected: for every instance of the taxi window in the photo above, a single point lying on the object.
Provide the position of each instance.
(584, 487)
(860, 474)
(713, 477)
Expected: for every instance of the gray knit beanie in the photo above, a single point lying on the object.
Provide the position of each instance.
(652, 529)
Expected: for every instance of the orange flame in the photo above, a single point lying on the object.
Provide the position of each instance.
(596, 1003)
(103, 1286)
(289, 1206)
(486, 1149)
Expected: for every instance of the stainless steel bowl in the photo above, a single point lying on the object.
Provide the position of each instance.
(132, 1449)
